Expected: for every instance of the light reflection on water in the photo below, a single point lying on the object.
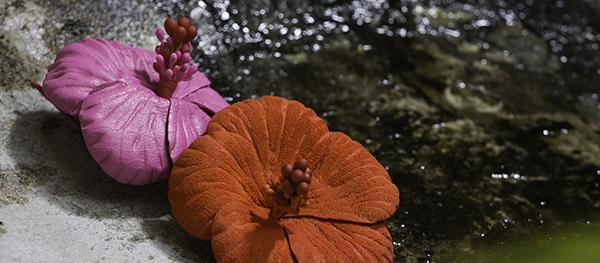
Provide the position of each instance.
(506, 71)
(275, 26)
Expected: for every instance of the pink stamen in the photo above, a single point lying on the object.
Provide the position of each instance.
(172, 60)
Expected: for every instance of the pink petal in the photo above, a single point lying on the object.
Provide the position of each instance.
(80, 68)
(106, 85)
(186, 123)
(206, 98)
(124, 127)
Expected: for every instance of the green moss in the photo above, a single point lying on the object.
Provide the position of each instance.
(568, 244)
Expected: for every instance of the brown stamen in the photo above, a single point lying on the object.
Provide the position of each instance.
(172, 61)
(290, 192)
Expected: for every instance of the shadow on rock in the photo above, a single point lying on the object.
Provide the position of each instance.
(52, 161)
(44, 140)
(175, 241)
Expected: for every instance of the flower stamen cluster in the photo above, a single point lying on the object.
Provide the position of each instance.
(172, 55)
(290, 191)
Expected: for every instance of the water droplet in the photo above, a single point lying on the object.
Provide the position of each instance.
(224, 16)
(563, 59)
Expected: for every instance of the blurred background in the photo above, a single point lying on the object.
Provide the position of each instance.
(485, 113)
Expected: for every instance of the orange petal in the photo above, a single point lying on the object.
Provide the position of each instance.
(281, 130)
(245, 233)
(213, 171)
(313, 240)
(350, 185)
(244, 148)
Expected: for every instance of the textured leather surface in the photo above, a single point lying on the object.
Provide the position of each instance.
(132, 133)
(217, 189)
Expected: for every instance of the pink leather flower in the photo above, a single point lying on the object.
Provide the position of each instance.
(138, 109)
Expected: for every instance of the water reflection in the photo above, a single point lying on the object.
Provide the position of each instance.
(485, 113)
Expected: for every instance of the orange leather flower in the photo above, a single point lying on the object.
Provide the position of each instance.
(237, 187)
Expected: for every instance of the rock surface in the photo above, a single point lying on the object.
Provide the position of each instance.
(486, 115)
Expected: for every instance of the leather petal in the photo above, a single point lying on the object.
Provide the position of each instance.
(216, 187)
(186, 123)
(197, 90)
(350, 185)
(98, 81)
(82, 67)
(216, 169)
(281, 131)
(313, 240)
(124, 128)
(245, 233)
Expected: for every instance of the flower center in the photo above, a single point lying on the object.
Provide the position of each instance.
(172, 55)
(290, 191)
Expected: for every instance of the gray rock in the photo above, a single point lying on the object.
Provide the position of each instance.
(485, 115)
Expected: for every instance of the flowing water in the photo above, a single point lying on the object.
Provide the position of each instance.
(485, 113)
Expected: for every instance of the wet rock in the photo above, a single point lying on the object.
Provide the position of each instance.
(15, 67)
(529, 51)
(485, 114)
